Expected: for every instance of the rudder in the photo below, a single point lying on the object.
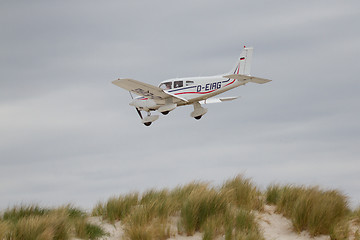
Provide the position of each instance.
(243, 66)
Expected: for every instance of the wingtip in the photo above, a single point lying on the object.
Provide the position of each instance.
(115, 81)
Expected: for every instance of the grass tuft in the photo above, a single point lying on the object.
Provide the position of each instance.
(94, 231)
(241, 192)
(116, 208)
(34, 222)
(273, 193)
(4, 229)
(18, 212)
(42, 227)
(356, 215)
(201, 204)
(311, 208)
(155, 229)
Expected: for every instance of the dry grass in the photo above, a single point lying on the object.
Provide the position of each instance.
(200, 207)
(272, 194)
(34, 222)
(356, 215)
(53, 226)
(241, 192)
(312, 209)
(223, 211)
(116, 208)
(4, 229)
(201, 204)
(154, 229)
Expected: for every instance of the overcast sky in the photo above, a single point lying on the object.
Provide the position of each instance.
(67, 135)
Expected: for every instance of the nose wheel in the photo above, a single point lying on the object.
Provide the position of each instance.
(149, 119)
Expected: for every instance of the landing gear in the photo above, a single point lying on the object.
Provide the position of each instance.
(198, 112)
(165, 113)
(147, 121)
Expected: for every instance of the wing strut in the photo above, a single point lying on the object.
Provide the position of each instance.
(138, 111)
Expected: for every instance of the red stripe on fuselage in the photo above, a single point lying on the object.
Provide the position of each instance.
(194, 92)
(204, 92)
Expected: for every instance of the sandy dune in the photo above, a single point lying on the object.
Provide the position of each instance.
(273, 225)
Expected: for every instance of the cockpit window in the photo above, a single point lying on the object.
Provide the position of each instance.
(178, 84)
(189, 83)
(166, 85)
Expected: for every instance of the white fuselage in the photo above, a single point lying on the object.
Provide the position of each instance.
(192, 90)
(202, 87)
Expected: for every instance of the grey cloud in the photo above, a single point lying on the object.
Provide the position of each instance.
(68, 134)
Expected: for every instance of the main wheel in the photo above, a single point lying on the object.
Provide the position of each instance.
(147, 124)
(165, 113)
(198, 117)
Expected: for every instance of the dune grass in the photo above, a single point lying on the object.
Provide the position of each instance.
(310, 208)
(272, 194)
(4, 229)
(34, 222)
(200, 205)
(243, 193)
(227, 210)
(356, 215)
(215, 211)
(116, 208)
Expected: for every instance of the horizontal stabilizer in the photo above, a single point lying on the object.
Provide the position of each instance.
(247, 78)
(217, 100)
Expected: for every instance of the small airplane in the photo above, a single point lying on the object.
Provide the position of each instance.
(194, 91)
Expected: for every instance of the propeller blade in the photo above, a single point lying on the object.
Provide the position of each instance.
(138, 111)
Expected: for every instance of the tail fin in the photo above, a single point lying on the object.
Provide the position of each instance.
(243, 66)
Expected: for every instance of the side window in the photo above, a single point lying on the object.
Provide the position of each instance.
(178, 84)
(189, 83)
(166, 85)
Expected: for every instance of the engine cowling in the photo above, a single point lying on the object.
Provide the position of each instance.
(142, 103)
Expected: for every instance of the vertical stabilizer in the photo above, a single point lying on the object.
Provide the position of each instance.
(243, 65)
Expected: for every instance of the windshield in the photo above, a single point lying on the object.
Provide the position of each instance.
(166, 85)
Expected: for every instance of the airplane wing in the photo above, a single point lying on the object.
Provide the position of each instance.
(141, 89)
(247, 78)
